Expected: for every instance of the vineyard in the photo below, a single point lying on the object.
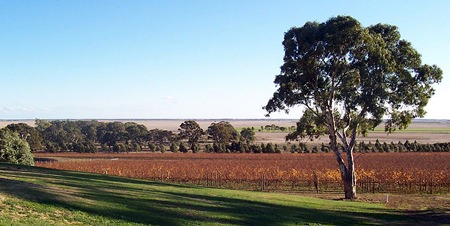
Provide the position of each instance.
(376, 172)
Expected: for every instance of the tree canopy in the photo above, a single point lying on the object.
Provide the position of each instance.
(349, 78)
(191, 131)
(28, 133)
(222, 132)
(14, 149)
(248, 135)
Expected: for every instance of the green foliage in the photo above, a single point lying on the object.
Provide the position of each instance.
(28, 133)
(92, 136)
(324, 148)
(135, 132)
(120, 147)
(52, 147)
(13, 149)
(269, 148)
(159, 136)
(42, 125)
(161, 148)
(303, 148)
(219, 147)
(84, 146)
(363, 73)
(135, 147)
(79, 136)
(195, 148)
(152, 147)
(209, 148)
(349, 78)
(222, 132)
(113, 133)
(248, 135)
(294, 148)
(255, 148)
(174, 147)
(182, 147)
(191, 131)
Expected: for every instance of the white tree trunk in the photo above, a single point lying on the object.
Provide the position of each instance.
(347, 171)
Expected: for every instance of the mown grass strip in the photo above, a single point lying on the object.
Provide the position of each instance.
(38, 196)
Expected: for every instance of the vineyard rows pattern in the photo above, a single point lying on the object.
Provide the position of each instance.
(376, 172)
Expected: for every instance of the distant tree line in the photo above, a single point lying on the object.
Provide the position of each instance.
(95, 136)
(377, 146)
(220, 137)
(275, 128)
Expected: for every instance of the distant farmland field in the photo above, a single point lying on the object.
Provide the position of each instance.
(376, 172)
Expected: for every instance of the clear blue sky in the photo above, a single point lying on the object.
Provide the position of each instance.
(178, 59)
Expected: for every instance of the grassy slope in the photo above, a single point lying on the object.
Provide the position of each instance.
(32, 195)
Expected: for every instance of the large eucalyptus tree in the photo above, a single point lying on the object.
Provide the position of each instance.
(349, 78)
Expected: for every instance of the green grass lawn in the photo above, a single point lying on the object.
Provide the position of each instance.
(37, 196)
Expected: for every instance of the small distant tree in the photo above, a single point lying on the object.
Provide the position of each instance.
(161, 137)
(152, 147)
(263, 148)
(303, 148)
(195, 148)
(385, 147)
(294, 148)
(191, 131)
(323, 148)
(378, 146)
(173, 147)
(269, 148)
(222, 132)
(255, 148)
(112, 134)
(248, 135)
(400, 146)
(160, 148)
(277, 149)
(182, 147)
(235, 146)
(245, 148)
(219, 148)
(136, 133)
(437, 147)
(13, 149)
(120, 147)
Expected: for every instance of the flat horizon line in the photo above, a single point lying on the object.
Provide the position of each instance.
(149, 119)
(179, 119)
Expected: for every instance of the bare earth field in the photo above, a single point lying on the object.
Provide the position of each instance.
(422, 131)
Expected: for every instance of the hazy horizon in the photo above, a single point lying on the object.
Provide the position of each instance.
(180, 119)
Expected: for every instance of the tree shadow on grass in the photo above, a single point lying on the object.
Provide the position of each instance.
(148, 202)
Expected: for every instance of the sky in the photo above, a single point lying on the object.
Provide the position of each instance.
(163, 59)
